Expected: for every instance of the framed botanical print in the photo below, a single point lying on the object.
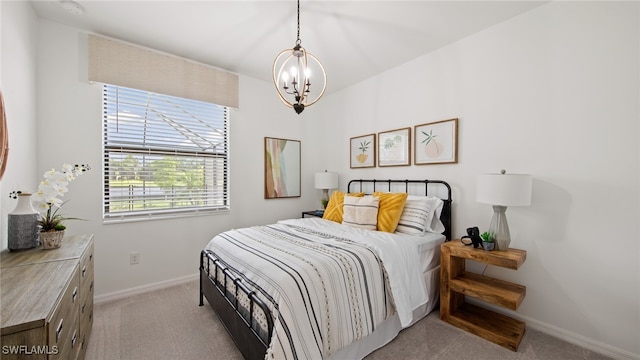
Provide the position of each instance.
(394, 147)
(363, 151)
(281, 168)
(436, 142)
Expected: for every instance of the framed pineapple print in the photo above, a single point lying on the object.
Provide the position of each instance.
(436, 142)
(394, 147)
(363, 151)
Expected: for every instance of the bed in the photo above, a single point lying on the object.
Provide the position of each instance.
(320, 289)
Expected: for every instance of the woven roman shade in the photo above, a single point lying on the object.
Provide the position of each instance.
(117, 63)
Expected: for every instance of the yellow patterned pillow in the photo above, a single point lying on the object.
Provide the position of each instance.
(335, 206)
(390, 210)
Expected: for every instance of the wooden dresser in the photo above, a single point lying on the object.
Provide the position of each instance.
(46, 301)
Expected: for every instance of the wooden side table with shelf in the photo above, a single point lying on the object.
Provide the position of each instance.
(456, 283)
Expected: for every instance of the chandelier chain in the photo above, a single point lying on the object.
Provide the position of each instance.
(298, 39)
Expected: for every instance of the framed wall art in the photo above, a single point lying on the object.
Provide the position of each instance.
(281, 168)
(436, 142)
(363, 151)
(394, 147)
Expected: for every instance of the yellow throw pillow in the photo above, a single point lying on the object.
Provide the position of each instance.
(390, 210)
(334, 209)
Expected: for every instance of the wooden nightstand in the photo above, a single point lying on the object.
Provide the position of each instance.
(316, 213)
(455, 284)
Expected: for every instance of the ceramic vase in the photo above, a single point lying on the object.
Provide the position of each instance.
(23, 228)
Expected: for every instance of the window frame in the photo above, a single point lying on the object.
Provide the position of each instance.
(218, 165)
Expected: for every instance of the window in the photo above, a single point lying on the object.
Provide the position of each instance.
(163, 155)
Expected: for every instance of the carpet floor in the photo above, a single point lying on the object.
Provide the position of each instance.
(169, 324)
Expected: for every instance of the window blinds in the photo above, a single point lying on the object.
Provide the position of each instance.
(162, 154)
(118, 63)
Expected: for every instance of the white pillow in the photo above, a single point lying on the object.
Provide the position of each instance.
(361, 212)
(416, 197)
(420, 216)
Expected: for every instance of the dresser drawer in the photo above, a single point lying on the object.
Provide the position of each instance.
(65, 319)
(69, 345)
(86, 267)
(86, 312)
(86, 322)
(86, 304)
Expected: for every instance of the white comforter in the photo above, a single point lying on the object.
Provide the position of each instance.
(323, 281)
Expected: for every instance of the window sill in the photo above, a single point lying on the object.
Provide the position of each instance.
(120, 219)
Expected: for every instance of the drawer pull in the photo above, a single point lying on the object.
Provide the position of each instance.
(59, 330)
(75, 294)
(83, 306)
(91, 286)
(84, 271)
(73, 339)
(90, 257)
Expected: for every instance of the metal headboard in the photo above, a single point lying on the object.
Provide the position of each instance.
(445, 216)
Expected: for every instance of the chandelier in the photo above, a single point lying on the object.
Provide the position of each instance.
(293, 70)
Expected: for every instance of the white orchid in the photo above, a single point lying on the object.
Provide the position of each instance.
(50, 189)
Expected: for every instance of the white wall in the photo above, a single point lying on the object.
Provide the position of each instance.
(553, 93)
(18, 83)
(69, 130)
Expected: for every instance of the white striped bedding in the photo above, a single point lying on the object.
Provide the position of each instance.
(323, 281)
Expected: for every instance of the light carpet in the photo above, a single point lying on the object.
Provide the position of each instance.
(169, 324)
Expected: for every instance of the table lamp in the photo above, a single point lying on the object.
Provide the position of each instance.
(326, 181)
(502, 190)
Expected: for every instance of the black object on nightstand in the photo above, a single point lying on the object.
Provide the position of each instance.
(316, 213)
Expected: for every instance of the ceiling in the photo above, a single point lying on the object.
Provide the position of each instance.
(354, 39)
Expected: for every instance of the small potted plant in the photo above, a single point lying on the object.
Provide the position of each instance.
(488, 240)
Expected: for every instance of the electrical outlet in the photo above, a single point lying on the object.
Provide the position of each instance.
(134, 258)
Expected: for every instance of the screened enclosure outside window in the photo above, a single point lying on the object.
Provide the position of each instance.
(163, 155)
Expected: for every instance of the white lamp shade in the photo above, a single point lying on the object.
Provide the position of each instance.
(504, 189)
(326, 180)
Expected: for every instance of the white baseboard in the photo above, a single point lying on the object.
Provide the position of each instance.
(117, 295)
(582, 341)
(562, 334)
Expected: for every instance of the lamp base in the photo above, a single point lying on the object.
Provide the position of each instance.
(500, 228)
(325, 198)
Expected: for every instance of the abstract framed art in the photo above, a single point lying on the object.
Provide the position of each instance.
(394, 147)
(281, 168)
(363, 151)
(436, 142)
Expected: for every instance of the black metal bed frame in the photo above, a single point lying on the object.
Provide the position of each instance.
(215, 281)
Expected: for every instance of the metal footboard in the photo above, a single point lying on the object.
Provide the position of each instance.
(247, 318)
